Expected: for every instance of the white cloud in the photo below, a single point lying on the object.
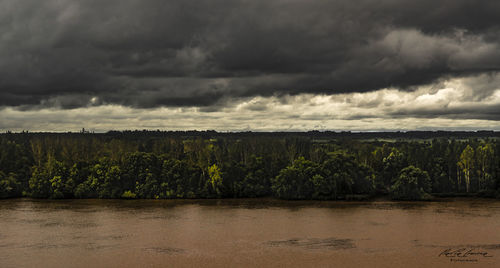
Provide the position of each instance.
(451, 104)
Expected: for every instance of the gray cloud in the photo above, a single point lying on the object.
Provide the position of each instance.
(152, 53)
(473, 111)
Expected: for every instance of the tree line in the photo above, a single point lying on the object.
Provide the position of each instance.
(211, 166)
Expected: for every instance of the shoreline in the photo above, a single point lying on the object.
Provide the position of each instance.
(367, 199)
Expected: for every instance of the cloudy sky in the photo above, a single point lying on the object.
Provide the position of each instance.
(259, 65)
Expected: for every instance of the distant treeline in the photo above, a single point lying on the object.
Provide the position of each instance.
(134, 134)
(207, 164)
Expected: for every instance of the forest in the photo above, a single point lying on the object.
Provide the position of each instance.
(319, 166)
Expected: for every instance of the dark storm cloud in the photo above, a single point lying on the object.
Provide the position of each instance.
(475, 111)
(150, 53)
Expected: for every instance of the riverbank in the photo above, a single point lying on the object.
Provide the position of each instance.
(440, 197)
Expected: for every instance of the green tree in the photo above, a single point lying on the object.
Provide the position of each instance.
(339, 171)
(9, 186)
(441, 180)
(150, 188)
(111, 186)
(393, 164)
(58, 187)
(39, 183)
(294, 182)
(411, 184)
(466, 164)
(485, 159)
(255, 180)
(364, 181)
(215, 182)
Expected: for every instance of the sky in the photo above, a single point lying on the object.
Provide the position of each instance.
(249, 65)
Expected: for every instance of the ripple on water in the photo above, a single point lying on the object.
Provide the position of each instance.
(165, 250)
(315, 243)
(47, 245)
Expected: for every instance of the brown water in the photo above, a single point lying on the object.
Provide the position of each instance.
(257, 233)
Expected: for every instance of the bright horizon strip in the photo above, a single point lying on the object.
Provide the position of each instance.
(427, 108)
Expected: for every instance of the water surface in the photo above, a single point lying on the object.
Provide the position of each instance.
(248, 232)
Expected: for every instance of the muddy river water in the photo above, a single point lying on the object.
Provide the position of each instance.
(249, 233)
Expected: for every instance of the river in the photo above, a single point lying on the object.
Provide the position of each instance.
(249, 233)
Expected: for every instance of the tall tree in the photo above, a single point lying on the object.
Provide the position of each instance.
(466, 163)
(485, 158)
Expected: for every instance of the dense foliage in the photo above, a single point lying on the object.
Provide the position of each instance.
(412, 184)
(290, 167)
